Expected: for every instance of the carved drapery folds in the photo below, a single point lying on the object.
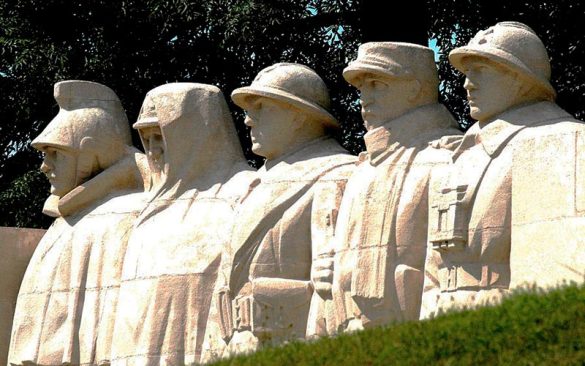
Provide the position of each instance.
(183, 254)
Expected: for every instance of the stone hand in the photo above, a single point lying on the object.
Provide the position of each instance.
(322, 275)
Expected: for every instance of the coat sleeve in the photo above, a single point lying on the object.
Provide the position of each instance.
(325, 207)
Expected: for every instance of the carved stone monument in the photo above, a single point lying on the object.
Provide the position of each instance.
(289, 212)
(381, 233)
(183, 255)
(198, 172)
(67, 301)
(508, 210)
(16, 248)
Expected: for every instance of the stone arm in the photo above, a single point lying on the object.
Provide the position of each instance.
(411, 244)
(430, 290)
(327, 198)
(431, 286)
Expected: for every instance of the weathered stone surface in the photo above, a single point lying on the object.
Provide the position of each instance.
(67, 302)
(506, 211)
(16, 247)
(548, 233)
(381, 232)
(185, 255)
(170, 267)
(288, 214)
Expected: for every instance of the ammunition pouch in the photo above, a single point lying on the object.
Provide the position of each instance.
(474, 276)
(271, 308)
(448, 219)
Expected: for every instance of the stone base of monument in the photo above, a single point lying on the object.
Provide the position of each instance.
(16, 248)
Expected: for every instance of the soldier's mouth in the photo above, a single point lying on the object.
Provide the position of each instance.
(366, 111)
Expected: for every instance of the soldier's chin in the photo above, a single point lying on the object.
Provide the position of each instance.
(257, 148)
(59, 192)
(475, 113)
(371, 122)
(365, 115)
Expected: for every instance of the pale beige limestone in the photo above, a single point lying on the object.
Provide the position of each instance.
(16, 248)
(289, 213)
(198, 172)
(380, 238)
(548, 236)
(506, 212)
(67, 301)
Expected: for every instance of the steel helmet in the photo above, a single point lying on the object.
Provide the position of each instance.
(513, 45)
(295, 84)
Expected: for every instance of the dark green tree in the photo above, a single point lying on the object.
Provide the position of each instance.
(133, 46)
(558, 23)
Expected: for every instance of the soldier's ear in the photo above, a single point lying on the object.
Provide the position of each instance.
(88, 143)
(299, 120)
(103, 153)
(87, 162)
(527, 90)
(413, 90)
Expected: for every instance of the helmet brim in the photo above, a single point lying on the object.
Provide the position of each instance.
(243, 97)
(356, 70)
(458, 55)
(144, 123)
(56, 134)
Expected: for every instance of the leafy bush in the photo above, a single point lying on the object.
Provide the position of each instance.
(529, 328)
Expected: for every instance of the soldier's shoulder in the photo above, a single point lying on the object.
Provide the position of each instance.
(238, 184)
(328, 154)
(554, 129)
(448, 142)
(439, 150)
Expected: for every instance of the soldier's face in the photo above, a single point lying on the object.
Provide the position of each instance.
(383, 99)
(271, 127)
(491, 89)
(154, 148)
(60, 167)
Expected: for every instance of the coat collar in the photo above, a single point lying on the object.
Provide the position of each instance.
(127, 173)
(496, 134)
(292, 156)
(405, 130)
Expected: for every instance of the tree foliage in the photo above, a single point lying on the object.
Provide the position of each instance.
(558, 23)
(133, 46)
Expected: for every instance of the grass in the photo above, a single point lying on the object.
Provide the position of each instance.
(529, 328)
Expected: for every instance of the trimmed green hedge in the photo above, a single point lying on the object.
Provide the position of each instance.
(530, 328)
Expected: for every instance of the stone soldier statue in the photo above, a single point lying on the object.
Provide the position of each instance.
(508, 210)
(381, 232)
(68, 298)
(170, 269)
(290, 210)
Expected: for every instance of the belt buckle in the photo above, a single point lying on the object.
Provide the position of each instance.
(242, 313)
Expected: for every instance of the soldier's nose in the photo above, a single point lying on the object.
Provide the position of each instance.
(249, 121)
(45, 168)
(468, 84)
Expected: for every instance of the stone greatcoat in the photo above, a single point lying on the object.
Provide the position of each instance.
(381, 231)
(511, 205)
(288, 215)
(174, 251)
(68, 298)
